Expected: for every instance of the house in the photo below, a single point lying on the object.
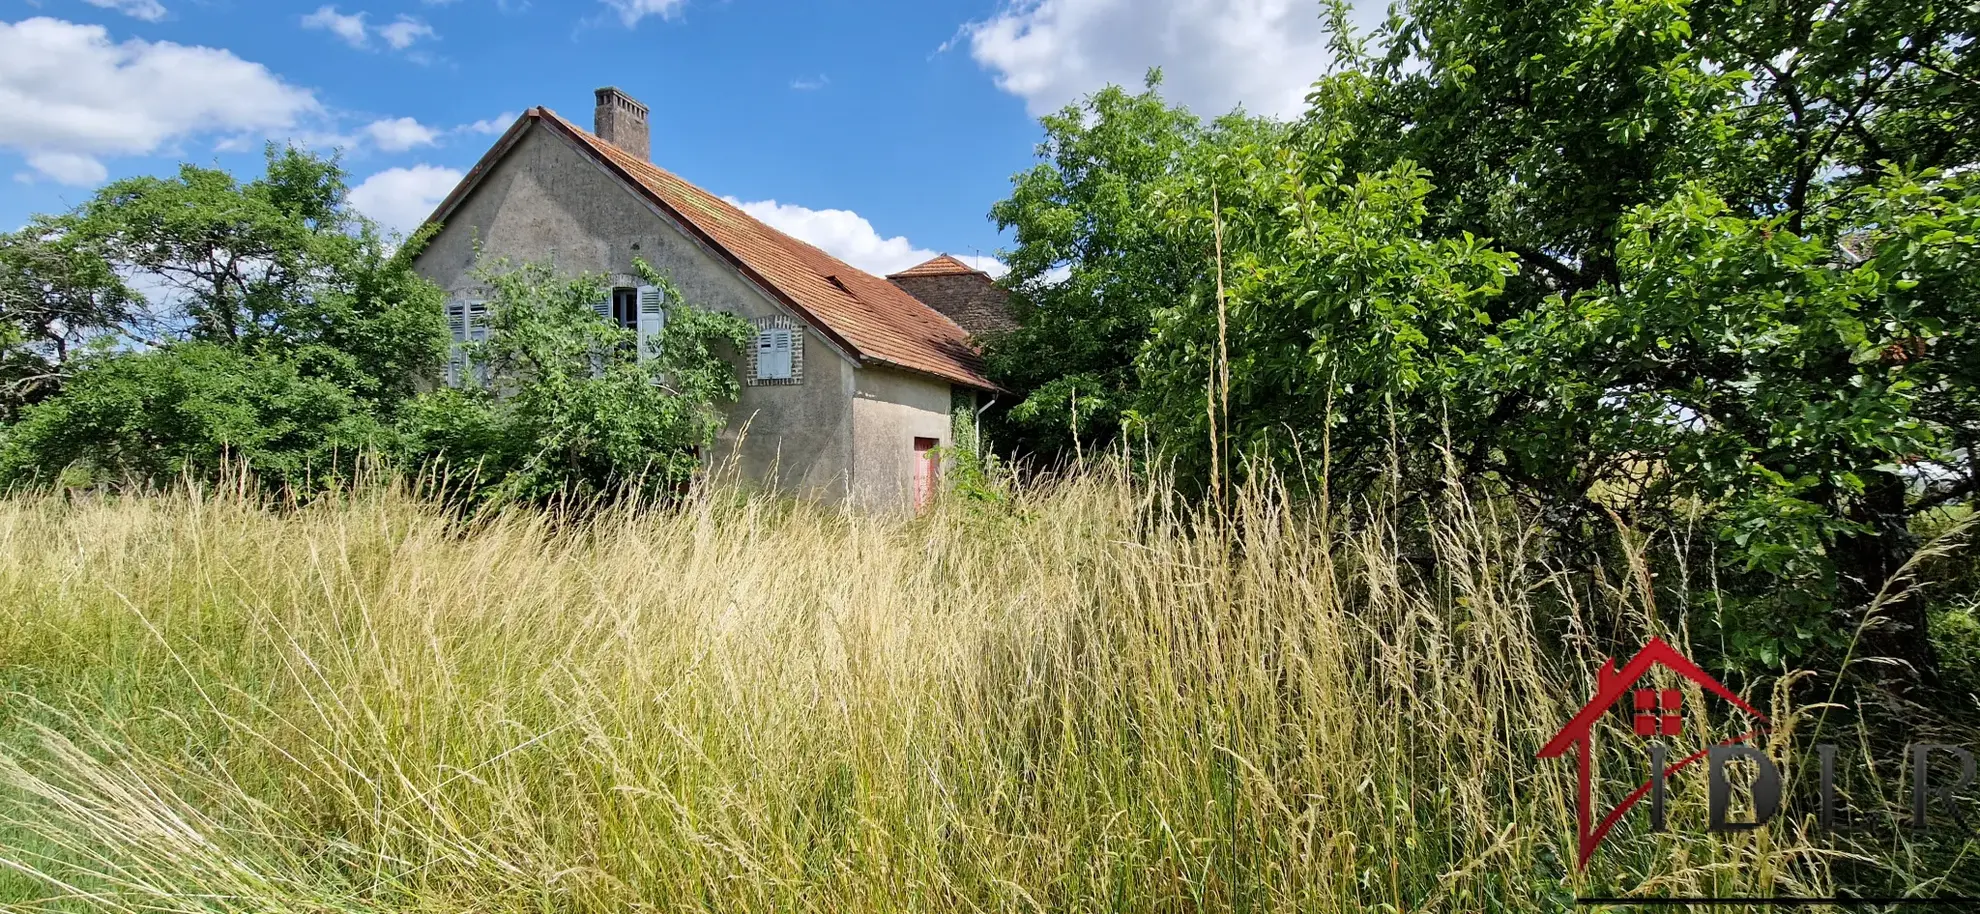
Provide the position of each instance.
(852, 381)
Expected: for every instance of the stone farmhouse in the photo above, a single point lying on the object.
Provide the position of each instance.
(853, 381)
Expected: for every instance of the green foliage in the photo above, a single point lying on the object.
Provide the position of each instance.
(1706, 269)
(1089, 270)
(279, 264)
(57, 293)
(190, 409)
(572, 410)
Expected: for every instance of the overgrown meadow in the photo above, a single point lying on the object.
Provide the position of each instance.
(1088, 696)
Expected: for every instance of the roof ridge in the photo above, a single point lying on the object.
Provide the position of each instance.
(944, 264)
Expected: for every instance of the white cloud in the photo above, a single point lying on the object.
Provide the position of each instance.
(400, 134)
(69, 95)
(399, 34)
(848, 236)
(402, 33)
(401, 198)
(492, 126)
(69, 167)
(842, 233)
(987, 264)
(147, 10)
(808, 84)
(632, 11)
(351, 28)
(1215, 54)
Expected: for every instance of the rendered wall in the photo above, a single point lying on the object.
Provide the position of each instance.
(890, 409)
(547, 200)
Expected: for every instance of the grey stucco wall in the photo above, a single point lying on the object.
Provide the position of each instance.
(545, 199)
(890, 409)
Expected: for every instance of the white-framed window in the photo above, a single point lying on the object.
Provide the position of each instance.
(467, 324)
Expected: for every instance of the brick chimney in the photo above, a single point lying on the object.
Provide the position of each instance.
(621, 121)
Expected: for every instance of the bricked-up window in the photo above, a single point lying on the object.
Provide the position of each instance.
(1657, 712)
(776, 355)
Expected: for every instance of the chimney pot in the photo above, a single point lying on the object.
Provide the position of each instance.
(621, 121)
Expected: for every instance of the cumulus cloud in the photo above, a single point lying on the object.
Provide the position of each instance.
(401, 198)
(69, 95)
(1215, 54)
(400, 134)
(69, 168)
(987, 264)
(850, 237)
(632, 11)
(147, 10)
(493, 125)
(350, 28)
(399, 34)
(404, 31)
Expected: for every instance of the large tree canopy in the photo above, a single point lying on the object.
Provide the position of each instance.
(1696, 265)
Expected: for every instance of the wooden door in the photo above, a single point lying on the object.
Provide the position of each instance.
(927, 472)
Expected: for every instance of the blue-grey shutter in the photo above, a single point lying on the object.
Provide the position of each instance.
(457, 333)
(652, 321)
(477, 333)
(773, 354)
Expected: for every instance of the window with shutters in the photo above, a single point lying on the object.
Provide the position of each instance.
(467, 324)
(650, 320)
(625, 308)
(773, 354)
(641, 309)
(777, 355)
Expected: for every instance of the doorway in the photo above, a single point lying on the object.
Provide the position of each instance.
(927, 472)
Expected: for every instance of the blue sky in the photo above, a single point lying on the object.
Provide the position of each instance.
(881, 130)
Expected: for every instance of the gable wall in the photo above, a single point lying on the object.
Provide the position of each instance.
(544, 199)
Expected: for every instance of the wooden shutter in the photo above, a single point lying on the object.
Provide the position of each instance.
(604, 307)
(476, 315)
(652, 321)
(773, 354)
(457, 334)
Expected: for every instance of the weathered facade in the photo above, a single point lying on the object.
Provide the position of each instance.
(864, 375)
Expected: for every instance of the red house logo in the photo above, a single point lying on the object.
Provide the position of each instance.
(1656, 713)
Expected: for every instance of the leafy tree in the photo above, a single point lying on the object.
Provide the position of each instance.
(570, 407)
(1742, 305)
(287, 335)
(280, 265)
(190, 409)
(1088, 270)
(57, 293)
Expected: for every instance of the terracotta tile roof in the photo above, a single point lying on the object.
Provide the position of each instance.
(870, 317)
(940, 266)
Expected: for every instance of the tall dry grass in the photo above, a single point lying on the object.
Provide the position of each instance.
(1088, 699)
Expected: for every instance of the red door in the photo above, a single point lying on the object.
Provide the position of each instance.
(927, 470)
